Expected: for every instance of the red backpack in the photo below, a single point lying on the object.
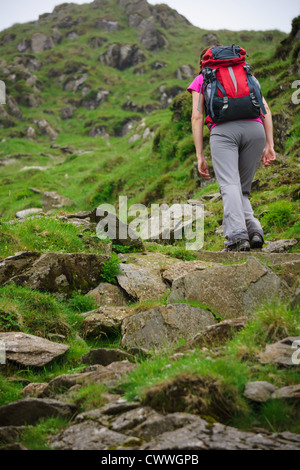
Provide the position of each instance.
(231, 92)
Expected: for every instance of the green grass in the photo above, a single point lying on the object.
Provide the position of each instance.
(233, 368)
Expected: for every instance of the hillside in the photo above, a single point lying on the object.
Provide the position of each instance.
(130, 344)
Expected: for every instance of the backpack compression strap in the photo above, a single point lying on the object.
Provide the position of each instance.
(253, 86)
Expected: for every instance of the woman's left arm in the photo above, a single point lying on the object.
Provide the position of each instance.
(269, 153)
(197, 126)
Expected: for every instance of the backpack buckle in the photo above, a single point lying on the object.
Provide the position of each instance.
(226, 103)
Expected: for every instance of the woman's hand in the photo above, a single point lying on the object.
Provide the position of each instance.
(269, 155)
(203, 168)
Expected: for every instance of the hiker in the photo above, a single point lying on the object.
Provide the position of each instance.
(241, 132)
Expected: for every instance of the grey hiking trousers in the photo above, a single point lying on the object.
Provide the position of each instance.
(236, 148)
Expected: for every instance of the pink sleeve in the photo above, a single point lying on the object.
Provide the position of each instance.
(196, 85)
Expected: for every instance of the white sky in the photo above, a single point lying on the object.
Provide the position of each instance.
(208, 14)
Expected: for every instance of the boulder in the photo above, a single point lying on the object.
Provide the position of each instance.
(47, 129)
(181, 268)
(27, 212)
(107, 25)
(88, 436)
(200, 436)
(41, 42)
(217, 334)
(24, 45)
(279, 246)
(52, 200)
(67, 112)
(283, 353)
(104, 321)
(34, 389)
(122, 56)
(185, 72)
(30, 410)
(10, 434)
(95, 374)
(164, 324)
(150, 37)
(230, 291)
(29, 350)
(13, 108)
(104, 357)
(258, 391)
(210, 39)
(141, 283)
(108, 294)
(63, 272)
(16, 264)
(292, 392)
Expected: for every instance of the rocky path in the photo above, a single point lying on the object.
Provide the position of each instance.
(228, 291)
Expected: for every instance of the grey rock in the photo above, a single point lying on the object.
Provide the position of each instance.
(157, 424)
(47, 129)
(13, 108)
(88, 436)
(291, 392)
(258, 391)
(230, 291)
(34, 389)
(199, 436)
(217, 334)
(52, 200)
(184, 72)
(108, 294)
(164, 324)
(181, 268)
(104, 321)
(122, 56)
(107, 25)
(131, 419)
(104, 356)
(108, 375)
(150, 37)
(141, 283)
(63, 272)
(67, 112)
(283, 353)
(31, 410)
(295, 301)
(279, 246)
(26, 212)
(29, 350)
(16, 264)
(210, 39)
(10, 434)
(24, 45)
(41, 42)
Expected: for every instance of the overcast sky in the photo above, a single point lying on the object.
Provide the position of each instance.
(214, 14)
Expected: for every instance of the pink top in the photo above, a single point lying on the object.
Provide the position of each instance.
(197, 85)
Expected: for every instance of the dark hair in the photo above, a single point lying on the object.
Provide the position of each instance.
(204, 52)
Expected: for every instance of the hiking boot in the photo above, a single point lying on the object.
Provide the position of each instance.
(240, 245)
(256, 241)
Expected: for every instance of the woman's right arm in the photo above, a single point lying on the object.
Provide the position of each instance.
(197, 127)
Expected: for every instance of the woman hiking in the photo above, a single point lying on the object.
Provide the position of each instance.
(241, 132)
